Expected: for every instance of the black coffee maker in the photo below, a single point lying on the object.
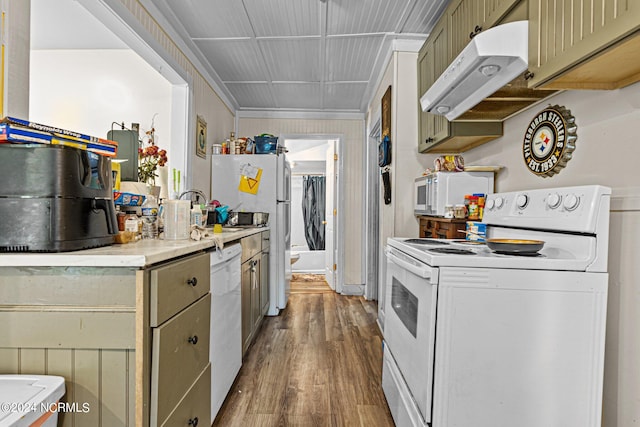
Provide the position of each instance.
(54, 198)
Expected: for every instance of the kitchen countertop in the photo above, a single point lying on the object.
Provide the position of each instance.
(138, 254)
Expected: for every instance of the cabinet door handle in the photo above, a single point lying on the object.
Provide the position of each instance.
(193, 281)
(193, 421)
(193, 340)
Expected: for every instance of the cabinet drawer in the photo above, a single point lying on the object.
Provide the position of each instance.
(266, 240)
(251, 245)
(177, 357)
(176, 285)
(195, 405)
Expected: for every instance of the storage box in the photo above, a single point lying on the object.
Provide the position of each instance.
(266, 144)
(477, 231)
(30, 400)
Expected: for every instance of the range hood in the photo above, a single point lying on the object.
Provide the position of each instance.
(490, 61)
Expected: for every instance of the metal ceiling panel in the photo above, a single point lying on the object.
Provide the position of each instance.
(298, 95)
(423, 16)
(365, 16)
(271, 18)
(344, 96)
(252, 95)
(234, 60)
(352, 58)
(292, 59)
(212, 18)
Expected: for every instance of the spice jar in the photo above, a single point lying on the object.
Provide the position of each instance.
(448, 211)
(459, 212)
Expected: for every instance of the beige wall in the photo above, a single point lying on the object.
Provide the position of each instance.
(352, 132)
(220, 120)
(397, 218)
(606, 153)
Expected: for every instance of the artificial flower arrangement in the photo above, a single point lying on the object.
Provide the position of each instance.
(150, 156)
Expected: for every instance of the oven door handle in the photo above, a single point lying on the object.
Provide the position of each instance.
(416, 268)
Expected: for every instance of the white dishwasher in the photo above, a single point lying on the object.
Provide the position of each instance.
(225, 353)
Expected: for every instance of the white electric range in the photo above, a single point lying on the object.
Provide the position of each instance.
(474, 337)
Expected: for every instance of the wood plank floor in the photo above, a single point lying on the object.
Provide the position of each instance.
(319, 363)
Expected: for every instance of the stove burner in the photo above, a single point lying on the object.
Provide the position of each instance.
(426, 242)
(452, 251)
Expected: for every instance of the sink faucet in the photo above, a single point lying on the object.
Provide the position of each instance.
(199, 195)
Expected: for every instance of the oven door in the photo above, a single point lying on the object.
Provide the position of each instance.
(410, 321)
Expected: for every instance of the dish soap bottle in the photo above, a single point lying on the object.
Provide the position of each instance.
(196, 215)
(150, 218)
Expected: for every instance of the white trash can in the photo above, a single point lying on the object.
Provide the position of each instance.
(30, 400)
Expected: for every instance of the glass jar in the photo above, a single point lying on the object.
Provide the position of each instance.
(459, 212)
(448, 211)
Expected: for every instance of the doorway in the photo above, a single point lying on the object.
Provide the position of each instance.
(316, 246)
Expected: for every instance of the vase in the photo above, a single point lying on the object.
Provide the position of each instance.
(153, 190)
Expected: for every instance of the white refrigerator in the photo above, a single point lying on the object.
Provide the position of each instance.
(272, 188)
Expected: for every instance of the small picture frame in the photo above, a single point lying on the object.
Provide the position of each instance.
(201, 138)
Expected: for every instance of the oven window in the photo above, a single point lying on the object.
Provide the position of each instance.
(405, 304)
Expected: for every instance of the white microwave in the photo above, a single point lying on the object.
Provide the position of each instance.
(434, 191)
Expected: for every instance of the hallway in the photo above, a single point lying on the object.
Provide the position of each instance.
(317, 364)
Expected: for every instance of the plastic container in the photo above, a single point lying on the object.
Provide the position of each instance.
(473, 212)
(176, 219)
(266, 144)
(30, 400)
(150, 218)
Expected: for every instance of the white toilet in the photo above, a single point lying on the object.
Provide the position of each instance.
(30, 400)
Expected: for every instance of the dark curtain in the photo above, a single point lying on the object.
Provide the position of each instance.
(313, 204)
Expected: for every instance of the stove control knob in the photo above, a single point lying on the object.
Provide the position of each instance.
(499, 202)
(553, 200)
(522, 200)
(571, 201)
(489, 204)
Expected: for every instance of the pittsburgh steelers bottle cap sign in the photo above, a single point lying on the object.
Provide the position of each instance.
(549, 141)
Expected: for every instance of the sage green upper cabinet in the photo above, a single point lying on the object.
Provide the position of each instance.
(437, 134)
(433, 59)
(466, 18)
(573, 44)
(496, 10)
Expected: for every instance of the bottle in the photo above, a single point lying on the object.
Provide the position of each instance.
(132, 223)
(231, 146)
(150, 218)
(196, 215)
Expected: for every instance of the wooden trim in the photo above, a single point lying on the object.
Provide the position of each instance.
(143, 350)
